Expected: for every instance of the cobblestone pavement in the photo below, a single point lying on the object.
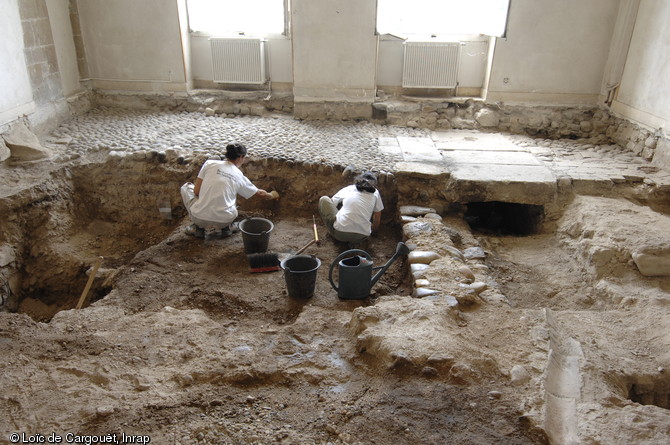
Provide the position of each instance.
(363, 145)
(278, 136)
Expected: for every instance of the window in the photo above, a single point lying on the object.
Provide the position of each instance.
(437, 18)
(239, 17)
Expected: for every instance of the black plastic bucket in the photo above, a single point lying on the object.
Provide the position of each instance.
(300, 275)
(256, 234)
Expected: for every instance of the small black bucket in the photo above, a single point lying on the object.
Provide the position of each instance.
(256, 234)
(300, 275)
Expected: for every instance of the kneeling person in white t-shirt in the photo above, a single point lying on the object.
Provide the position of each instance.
(354, 212)
(212, 200)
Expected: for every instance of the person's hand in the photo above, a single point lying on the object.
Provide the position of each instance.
(265, 195)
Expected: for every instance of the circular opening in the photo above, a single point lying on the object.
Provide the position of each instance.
(353, 261)
(256, 226)
(300, 264)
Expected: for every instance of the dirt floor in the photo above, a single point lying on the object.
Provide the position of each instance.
(179, 343)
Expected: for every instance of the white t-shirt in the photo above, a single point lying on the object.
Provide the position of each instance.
(222, 181)
(357, 209)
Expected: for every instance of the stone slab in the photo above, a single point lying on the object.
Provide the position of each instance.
(390, 150)
(419, 150)
(503, 173)
(507, 183)
(421, 170)
(490, 157)
(473, 140)
(389, 141)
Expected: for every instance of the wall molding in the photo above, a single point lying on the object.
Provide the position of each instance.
(10, 115)
(642, 118)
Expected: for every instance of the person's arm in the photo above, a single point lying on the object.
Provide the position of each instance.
(376, 221)
(263, 194)
(196, 187)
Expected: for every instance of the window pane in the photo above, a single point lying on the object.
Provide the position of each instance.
(222, 17)
(442, 17)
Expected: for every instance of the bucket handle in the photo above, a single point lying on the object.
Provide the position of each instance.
(289, 270)
(262, 232)
(343, 255)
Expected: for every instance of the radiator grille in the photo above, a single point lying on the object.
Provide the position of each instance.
(431, 64)
(238, 60)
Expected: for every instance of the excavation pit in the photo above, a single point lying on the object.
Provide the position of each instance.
(179, 328)
(117, 211)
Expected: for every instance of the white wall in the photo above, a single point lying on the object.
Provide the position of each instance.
(554, 52)
(185, 38)
(16, 97)
(644, 94)
(61, 29)
(133, 45)
(334, 50)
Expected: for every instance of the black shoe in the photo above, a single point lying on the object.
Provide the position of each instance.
(195, 231)
(228, 231)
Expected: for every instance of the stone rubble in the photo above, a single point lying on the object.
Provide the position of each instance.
(464, 288)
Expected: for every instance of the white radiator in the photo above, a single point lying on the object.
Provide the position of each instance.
(238, 60)
(431, 64)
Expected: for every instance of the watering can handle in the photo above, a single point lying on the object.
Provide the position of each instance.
(346, 254)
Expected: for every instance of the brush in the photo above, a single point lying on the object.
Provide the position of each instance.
(263, 262)
(269, 262)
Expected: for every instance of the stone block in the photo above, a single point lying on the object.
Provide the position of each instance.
(24, 145)
(662, 153)
(653, 264)
(487, 118)
(415, 210)
(422, 257)
(5, 153)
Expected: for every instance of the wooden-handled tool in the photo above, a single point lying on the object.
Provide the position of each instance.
(91, 277)
(270, 262)
(316, 233)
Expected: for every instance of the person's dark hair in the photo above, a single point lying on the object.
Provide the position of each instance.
(235, 150)
(366, 182)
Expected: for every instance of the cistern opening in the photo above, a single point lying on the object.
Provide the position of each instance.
(504, 218)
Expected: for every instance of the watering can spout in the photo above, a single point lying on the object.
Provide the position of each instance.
(401, 249)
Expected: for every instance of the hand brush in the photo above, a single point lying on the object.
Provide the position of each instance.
(269, 262)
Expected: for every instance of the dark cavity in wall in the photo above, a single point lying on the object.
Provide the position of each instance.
(504, 218)
(650, 390)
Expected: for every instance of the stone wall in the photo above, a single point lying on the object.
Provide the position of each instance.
(251, 103)
(40, 51)
(589, 124)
